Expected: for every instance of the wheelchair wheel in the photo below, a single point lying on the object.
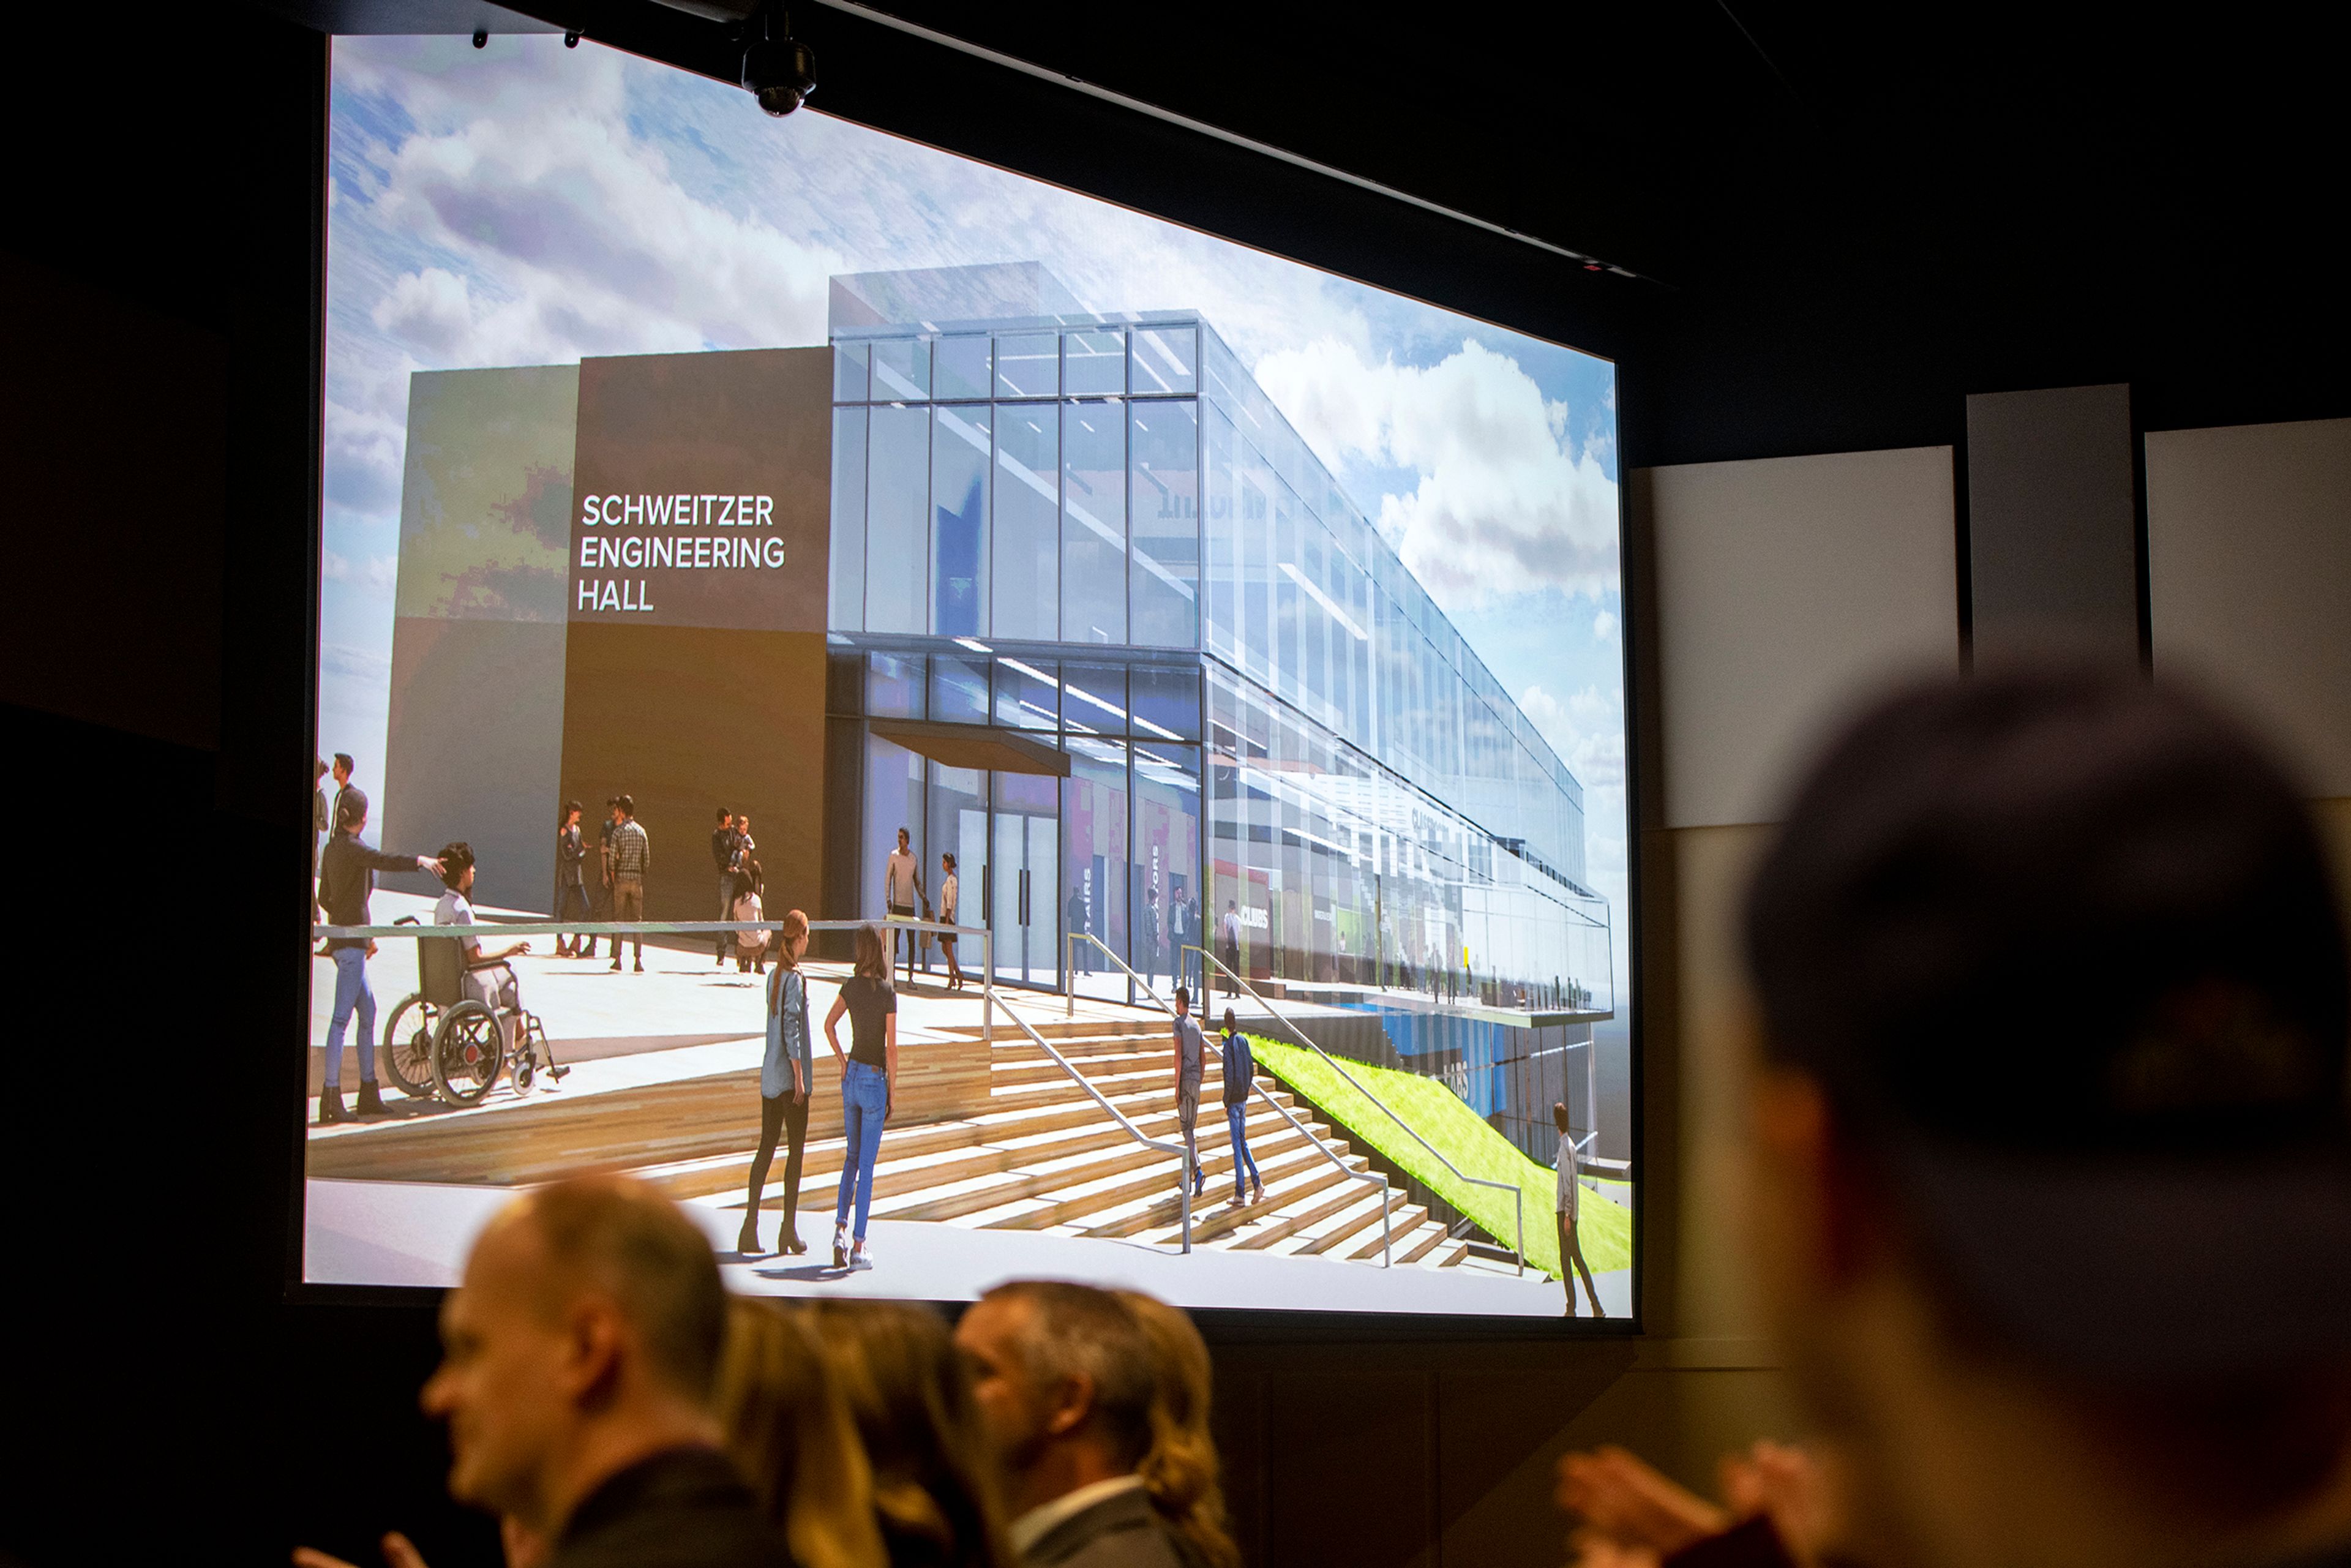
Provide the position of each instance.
(407, 1050)
(468, 1050)
(522, 1067)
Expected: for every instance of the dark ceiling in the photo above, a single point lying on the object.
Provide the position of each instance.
(1842, 221)
(1845, 219)
(1856, 215)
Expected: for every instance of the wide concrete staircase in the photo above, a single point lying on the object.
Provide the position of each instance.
(1045, 1157)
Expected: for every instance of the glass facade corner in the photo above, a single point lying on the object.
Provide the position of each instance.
(1099, 532)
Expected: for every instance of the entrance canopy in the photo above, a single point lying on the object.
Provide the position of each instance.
(971, 745)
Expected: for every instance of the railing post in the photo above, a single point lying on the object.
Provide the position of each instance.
(1070, 975)
(1137, 1133)
(987, 987)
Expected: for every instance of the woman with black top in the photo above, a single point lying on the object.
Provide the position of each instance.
(784, 1076)
(868, 1083)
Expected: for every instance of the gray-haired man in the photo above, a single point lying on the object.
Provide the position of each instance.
(1062, 1376)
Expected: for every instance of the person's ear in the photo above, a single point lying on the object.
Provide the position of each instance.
(594, 1344)
(1071, 1402)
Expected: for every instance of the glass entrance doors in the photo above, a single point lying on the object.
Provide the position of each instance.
(1023, 874)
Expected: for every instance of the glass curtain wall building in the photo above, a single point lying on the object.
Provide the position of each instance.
(1108, 631)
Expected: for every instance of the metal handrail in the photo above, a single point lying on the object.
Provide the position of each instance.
(1117, 1115)
(1069, 974)
(1518, 1194)
(1388, 1238)
(1328, 1152)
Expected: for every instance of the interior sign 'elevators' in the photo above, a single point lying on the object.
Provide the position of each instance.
(704, 490)
(661, 538)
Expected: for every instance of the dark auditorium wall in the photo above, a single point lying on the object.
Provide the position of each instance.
(175, 1398)
(162, 260)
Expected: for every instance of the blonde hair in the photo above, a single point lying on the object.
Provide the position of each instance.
(1179, 1471)
(779, 948)
(792, 1436)
(934, 1476)
(873, 954)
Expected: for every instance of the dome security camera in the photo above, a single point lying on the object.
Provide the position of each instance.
(778, 68)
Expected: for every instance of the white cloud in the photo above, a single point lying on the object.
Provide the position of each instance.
(1604, 626)
(1502, 507)
(1587, 730)
(432, 309)
(355, 663)
(363, 452)
(575, 237)
(381, 572)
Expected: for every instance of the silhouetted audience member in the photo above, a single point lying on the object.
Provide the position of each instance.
(1065, 1381)
(935, 1481)
(792, 1436)
(1180, 1470)
(2052, 1161)
(579, 1359)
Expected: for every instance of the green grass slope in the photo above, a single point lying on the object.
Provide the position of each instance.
(1438, 1115)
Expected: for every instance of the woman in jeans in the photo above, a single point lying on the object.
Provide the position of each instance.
(869, 1083)
(784, 1076)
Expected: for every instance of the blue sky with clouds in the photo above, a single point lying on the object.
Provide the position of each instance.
(528, 204)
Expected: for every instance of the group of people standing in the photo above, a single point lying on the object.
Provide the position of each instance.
(869, 1085)
(903, 896)
(734, 853)
(624, 857)
(1237, 1068)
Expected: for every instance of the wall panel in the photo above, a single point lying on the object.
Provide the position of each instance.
(1784, 585)
(2249, 571)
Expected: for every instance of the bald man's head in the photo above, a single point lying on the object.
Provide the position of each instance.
(624, 1240)
(590, 1306)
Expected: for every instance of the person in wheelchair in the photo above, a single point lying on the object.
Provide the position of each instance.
(487, 980)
